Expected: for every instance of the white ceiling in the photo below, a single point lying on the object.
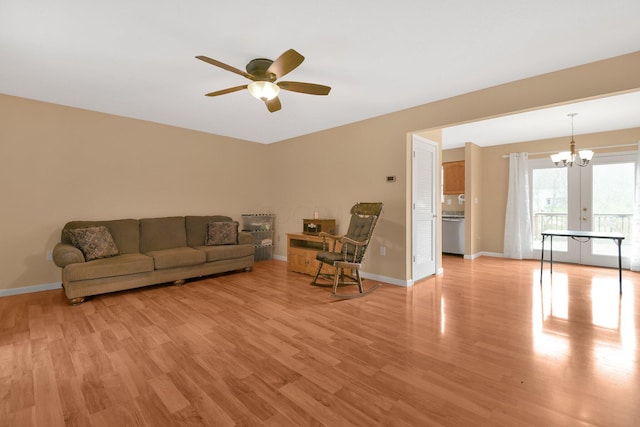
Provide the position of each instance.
(599, 115)
(136, 58)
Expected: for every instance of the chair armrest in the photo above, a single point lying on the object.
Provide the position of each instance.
(334, 237)
(331, 236)
(64, 254)
(345, 239)
(357, 246)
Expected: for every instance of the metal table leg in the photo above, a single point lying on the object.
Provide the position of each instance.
(619, 243)
(550, 254)
(542, 258)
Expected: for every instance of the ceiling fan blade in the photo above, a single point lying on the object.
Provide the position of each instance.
(273, 105)
(225, 91)
(285, 63)
(309, 88)
(225, 66)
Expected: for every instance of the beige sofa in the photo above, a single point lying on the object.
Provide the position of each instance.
(148, 251)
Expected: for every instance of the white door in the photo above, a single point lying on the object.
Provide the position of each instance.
(598, 197)
(424, 205)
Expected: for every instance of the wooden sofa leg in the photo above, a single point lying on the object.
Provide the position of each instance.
(179, 282)
(75, 301)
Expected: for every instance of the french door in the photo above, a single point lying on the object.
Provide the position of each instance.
(598, 197)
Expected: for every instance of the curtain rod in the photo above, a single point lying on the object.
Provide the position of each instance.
(539, 153)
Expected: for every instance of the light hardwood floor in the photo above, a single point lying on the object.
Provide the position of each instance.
(482, 344)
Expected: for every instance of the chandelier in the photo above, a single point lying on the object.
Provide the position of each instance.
(568, 158)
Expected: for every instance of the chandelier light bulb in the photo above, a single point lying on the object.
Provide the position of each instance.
(585, 154)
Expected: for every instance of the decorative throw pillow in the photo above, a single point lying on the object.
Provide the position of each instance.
(94, 242)
(222, 233)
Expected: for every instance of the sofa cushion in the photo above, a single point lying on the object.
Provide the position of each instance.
(162, 233)
(120, 265)
(217, 253)
(94, 242)
(177, 257)
(222, 233)
(125, 233)
(197, 228)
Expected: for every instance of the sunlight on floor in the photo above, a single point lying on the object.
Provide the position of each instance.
(604, 327)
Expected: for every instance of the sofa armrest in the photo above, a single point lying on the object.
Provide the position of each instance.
(245, 238)
(65, 254)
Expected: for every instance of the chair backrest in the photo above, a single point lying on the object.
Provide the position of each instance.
(364, 217)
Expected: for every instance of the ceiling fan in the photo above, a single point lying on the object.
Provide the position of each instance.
(264, 73)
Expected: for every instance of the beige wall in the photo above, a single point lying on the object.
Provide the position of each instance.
(331, 170)
(453, 155)
(474, 198)
(357, 156)
(59, 163)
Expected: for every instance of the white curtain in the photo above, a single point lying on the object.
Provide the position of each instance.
(517, 224)
(635, 228)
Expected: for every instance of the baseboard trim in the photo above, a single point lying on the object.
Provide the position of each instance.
(58, 285)
(30, 289)
(389, 280)
(479, 254)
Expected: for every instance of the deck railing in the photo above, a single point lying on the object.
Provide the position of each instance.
(609, 222)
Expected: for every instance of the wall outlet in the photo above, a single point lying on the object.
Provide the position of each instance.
(49, 256)
(383, 251)
(448, 201)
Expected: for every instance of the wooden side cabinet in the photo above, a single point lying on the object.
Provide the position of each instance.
(453, 177)
(301, 253)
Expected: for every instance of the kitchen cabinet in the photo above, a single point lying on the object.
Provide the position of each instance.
(453, 177)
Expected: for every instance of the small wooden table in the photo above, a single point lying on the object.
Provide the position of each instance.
(616, 237)
(302, 250)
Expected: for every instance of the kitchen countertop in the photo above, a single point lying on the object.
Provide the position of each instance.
(452, 214)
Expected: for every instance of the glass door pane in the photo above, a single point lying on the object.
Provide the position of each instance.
(550, 204)
(612, 205)
(608, 189)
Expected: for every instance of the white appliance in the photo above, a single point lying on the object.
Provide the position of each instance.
(453, 233)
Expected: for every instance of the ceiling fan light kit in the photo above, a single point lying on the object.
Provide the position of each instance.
(263, 90)
(568, 158)
(264, 73)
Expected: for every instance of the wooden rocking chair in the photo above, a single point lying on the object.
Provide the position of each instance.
(364, 217)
